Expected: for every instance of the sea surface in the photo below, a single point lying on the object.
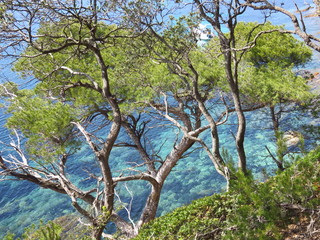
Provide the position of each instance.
(23, 203)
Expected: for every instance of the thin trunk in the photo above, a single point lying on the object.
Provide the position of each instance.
(240, 136)
(214, 153)
(96, 232)
(225, 44)
(275, 120)
(242, 163)
(276, 128)
(232, 66)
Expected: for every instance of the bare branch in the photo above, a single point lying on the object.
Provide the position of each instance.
(95, 84)
(128, 208)
(142, 176)
(87, 137)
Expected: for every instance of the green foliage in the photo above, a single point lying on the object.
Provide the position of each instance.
(10, 236)
(272, 46)
(119, 55)
(49, 231)
(228, 159)
(197, 219)
(166, 69)
(46, 123)
(133, 76)
(300, 183)
(272, 83)
(267, 70)
(78, 58)
(258, 213)
(138, 75)
(251, 210)
(255, 213)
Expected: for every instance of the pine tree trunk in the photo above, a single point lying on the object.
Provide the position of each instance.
(96, 232)
(151, 206)
(317, 3)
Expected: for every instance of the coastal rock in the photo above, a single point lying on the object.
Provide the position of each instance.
(291, 138)
(305, 74)
(314, 83)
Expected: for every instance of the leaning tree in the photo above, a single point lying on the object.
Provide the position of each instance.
(77, 52)
(100, 69)
(93, 79)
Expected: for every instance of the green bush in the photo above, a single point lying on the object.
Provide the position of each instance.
(49, 231)
(251, 210)
(260, 211)
(195, 221)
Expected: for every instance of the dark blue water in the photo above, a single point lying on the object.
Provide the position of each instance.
(23, 203)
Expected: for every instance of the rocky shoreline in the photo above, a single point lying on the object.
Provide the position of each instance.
(314, 81)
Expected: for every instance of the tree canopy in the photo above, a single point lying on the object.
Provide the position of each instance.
(103, 70)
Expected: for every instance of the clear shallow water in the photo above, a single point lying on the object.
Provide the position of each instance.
(23, 203)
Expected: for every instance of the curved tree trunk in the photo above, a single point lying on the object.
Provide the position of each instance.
(151, 206)
(242, 162)
(227, 44)
(232, 77)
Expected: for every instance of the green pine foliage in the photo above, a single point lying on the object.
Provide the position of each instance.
(46, 124)
(201, 218)
(251, 210)
(53, 230)
(267, 74)
(49, 231)
(272, 46)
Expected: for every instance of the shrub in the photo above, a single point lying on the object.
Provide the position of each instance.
(251, 210)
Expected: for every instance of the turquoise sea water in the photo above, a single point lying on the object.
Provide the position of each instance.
(23, 203)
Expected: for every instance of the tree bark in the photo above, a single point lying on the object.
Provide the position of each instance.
(151, 206)
(317, 3)
(242, 162)
(230, 61)
(97, 230)
(275, 120)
